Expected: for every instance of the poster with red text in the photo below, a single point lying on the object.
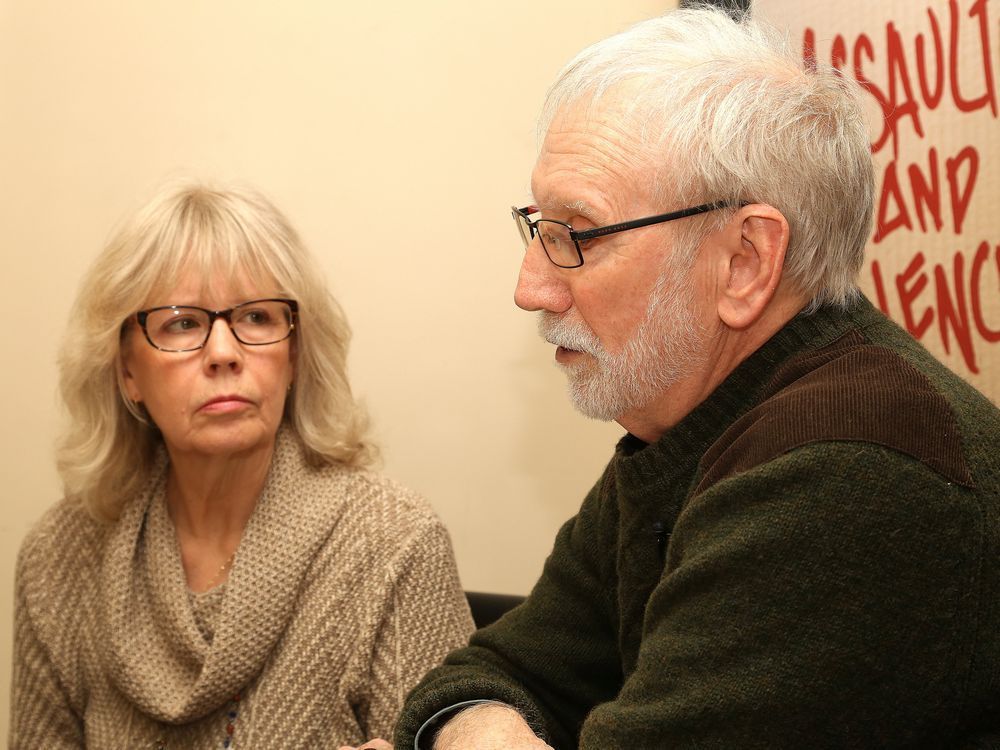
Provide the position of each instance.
(930, 69)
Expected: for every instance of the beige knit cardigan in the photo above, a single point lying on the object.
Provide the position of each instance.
(344, 591)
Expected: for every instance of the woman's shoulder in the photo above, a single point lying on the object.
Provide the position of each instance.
(375, 507)
(369, 490)
(66, 539)
(57, 581)
(65, 525)
(387, 533)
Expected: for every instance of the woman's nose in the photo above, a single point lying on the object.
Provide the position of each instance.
(223, 349)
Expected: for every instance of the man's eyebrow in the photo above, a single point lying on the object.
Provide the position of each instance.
(579, 206)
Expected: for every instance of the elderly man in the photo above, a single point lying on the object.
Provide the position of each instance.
(797, 544)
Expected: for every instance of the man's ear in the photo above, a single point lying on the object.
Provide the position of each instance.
(750, 264)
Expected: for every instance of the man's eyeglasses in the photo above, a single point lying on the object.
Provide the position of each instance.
(183, 328)
(561, 242)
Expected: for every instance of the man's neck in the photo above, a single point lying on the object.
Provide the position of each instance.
(724, 350)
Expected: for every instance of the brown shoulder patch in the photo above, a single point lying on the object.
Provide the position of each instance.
(849, 390)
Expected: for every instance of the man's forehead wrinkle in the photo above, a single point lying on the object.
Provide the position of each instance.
(594, 151)
(569, 185)
(610, 125)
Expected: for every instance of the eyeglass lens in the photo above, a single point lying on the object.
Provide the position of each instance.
(560, 248)
(180, 328)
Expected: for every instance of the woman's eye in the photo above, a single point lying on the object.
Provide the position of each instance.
(181, 325)
(255, 317)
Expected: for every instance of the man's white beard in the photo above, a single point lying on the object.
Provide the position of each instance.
(661, 351)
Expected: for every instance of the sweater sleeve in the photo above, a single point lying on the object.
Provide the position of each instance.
(41, 714)
(802, 606)
(553, 657)
(425, 616)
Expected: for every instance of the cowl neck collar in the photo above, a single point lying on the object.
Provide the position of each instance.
(155, 654)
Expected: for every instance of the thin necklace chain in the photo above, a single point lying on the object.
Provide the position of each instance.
(222, 569)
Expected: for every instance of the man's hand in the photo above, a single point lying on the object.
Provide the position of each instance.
(375, 744)
(488, 726)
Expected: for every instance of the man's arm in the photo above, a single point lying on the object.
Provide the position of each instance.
(552, 658)
(488, 726)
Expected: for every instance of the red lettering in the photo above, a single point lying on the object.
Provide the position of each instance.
(809, 49)
(891, 190)
(965, 312)
(898, 73)
(894, 211)
(908, 294)
(954, 313)
(838, 53)
(931, 98)
(900, 101)
(927, 195)
(989, 96)
(863, 47)
(991, 335)
(960, 202)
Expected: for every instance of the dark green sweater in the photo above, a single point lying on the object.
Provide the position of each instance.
(810, 559)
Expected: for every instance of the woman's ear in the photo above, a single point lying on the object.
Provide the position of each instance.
(751, 264)
(128, 382)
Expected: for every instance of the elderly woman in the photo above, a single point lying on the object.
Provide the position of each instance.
(223, 572)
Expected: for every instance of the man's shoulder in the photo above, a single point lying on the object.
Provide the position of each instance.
(864, 389)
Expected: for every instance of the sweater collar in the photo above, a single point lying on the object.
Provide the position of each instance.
(641, 464)
(156, 654)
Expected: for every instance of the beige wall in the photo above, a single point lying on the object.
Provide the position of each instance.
(395, 135)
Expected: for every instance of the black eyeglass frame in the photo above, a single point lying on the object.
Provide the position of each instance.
(624, 226)
(213, 315)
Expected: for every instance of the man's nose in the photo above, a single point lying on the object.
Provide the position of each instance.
(540, 285)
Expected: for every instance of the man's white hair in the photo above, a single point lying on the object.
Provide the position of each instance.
(723, 109)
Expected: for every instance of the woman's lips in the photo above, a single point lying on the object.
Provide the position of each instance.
(225, 404)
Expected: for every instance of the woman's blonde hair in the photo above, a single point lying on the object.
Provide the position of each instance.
(108, 449)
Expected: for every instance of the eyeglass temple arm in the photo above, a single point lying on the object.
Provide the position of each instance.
(589, 234)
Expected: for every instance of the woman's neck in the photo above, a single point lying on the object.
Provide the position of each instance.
(210, 500)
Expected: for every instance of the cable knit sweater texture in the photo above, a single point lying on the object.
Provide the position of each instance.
(344, 591)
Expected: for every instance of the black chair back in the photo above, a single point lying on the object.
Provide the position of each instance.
(487, 608)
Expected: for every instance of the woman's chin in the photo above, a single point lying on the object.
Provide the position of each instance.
(219, 440)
